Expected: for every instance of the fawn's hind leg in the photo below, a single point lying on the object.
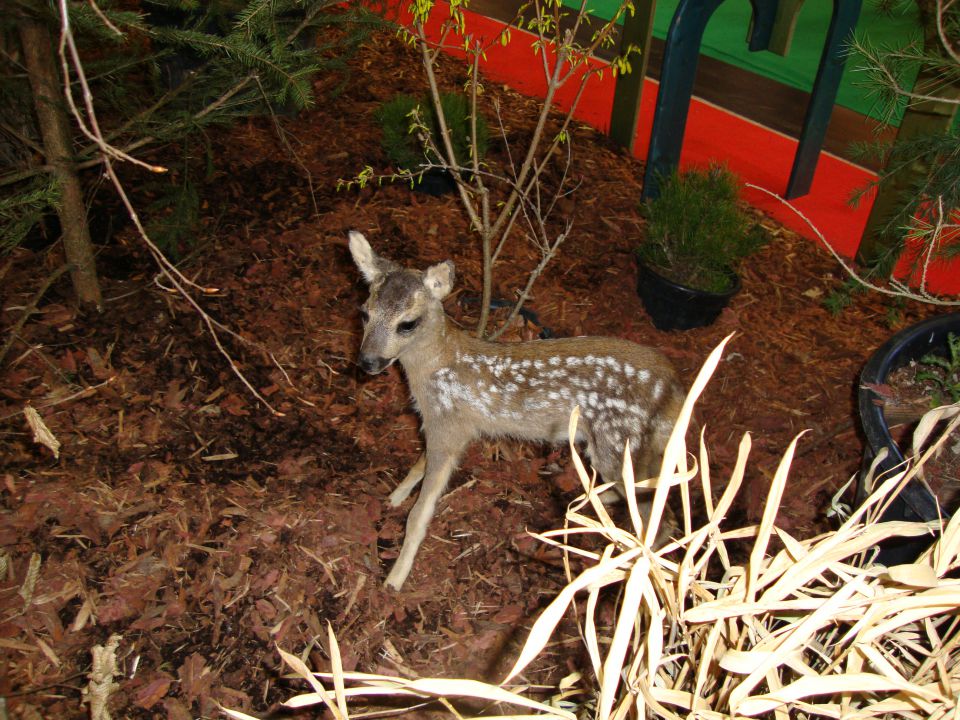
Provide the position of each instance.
(413, 478)
(646, 465)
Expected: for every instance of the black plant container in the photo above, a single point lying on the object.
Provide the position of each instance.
(915, 502)
(437, 182)
(672, 306)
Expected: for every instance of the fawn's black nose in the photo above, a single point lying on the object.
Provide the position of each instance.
(373, 364)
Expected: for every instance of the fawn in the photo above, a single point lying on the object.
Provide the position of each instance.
(465, 388)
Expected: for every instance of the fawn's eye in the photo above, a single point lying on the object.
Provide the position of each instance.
(407, 326)
(364, 315)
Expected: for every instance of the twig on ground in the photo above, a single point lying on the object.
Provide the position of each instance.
(85, 392)
(30, 309)
(896, 289)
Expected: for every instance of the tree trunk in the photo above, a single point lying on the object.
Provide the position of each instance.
(38, 55)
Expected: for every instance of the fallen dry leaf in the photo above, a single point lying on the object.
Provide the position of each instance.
(153, 692)
(41, 433)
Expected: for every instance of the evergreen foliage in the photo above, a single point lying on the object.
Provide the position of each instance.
(20, 212)
(922, 167)
(932, 162)
(173, 69)
(404, 118)
(697, 232)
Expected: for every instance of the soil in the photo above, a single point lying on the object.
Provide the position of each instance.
(908, 393)
(204, 531)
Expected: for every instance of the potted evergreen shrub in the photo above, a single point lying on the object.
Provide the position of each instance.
(414, 158)
(697, 236)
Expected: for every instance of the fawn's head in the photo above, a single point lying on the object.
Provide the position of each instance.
(404, 305)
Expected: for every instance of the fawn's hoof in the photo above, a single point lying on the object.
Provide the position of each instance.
(393, 583)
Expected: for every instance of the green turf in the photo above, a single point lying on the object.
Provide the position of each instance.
(725, 39)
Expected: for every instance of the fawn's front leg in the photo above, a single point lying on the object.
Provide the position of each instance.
(439, 462)
(403, 490)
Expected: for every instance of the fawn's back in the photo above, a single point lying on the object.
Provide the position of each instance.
(528, 390)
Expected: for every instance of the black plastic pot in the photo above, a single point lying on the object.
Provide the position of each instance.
(672, 306)
(915, 502)
(437, 182)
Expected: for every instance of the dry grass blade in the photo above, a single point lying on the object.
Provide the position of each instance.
(675, 454)
(929, 422)
(544, 626)
(586, 479)
(632, 596)
(590, 629)
(299, 667)
(759, 552)
(336, 664)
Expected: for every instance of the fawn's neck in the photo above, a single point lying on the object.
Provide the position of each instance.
(436, 347)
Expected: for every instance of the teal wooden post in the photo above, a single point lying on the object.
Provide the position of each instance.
(637, 30)
(680, 56)
(822, 97)
(770, 22)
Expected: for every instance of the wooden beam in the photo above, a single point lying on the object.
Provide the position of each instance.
(637, 30)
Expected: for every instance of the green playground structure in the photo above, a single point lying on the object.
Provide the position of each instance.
(725, 35)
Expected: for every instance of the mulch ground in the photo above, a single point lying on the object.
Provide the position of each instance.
(203, 531)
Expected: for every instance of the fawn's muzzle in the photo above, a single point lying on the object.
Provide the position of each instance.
(374, 364)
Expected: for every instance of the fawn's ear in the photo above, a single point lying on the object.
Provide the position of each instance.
(439, 279)
(370, 264)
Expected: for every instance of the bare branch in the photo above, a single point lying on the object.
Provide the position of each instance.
(896, 287)
(30, 309)
(562, 58)
(531, 279)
